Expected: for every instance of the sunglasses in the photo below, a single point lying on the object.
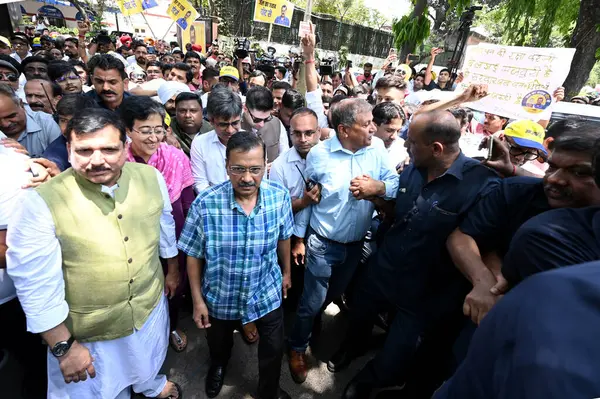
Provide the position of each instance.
(259, 120)
(11, 77)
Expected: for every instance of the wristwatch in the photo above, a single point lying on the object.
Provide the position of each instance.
(61, 348)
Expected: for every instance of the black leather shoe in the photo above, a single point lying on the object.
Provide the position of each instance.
(357, 390)
(214, 380)
(340, 360)
(281, 394)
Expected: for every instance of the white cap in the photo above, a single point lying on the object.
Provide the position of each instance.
(167, 90)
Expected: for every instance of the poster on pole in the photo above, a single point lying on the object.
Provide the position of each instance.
(196, 34)
(521, 80)
(277, 12)
(182, 12)
(130, 7)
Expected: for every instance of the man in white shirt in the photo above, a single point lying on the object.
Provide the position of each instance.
(26, 347)
(288, 169)
(389, 118)
(57, 254)
(207, 154)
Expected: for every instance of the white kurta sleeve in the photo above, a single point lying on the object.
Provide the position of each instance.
(168, 244)
(34, 263)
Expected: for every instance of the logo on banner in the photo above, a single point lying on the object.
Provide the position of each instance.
(536, 101)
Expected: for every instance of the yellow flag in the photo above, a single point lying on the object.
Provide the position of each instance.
(182, 12)
(130, 7)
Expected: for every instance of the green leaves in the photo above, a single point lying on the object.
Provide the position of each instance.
(410, 29)
(546, 16)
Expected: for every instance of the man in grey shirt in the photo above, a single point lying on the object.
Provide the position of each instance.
(32, 130)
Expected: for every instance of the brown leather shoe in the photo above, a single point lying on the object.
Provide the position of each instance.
(298, 366)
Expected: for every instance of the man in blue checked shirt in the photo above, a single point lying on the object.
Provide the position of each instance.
(233, 235)
(350, 167)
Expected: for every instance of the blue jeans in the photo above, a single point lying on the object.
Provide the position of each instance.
(329, 268)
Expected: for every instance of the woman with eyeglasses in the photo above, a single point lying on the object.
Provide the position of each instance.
(144, 119)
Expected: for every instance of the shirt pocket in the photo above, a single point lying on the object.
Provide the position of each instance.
(440, 221)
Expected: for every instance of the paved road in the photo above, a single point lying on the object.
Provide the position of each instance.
(189, 368)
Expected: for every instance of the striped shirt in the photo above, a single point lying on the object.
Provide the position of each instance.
(242, 278)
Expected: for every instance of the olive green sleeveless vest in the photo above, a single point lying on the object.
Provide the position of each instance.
(113, 276)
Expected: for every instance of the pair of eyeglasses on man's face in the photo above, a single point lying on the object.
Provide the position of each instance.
(240, 170)
(225, 125)
(71, 77)
(259, 120)
(307, 133)
(527, 154)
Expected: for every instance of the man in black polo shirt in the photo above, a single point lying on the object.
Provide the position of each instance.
(108, 77)
(412, 271)
(481, 241)
(539, 342)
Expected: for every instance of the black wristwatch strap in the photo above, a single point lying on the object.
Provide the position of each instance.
(61, 348)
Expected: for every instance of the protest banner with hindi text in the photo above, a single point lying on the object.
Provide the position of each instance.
(521, 80)
(277, 12)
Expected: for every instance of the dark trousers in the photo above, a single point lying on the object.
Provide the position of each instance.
(270, 348)
(406, 332)
(27, 348)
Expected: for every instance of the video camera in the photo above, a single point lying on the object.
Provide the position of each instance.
(326, 68)
(242, 47)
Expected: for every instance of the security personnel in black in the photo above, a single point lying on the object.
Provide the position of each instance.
(412, 270)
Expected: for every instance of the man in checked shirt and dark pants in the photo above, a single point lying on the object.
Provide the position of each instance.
(233, 235)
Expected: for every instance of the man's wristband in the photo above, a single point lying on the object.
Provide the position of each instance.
(514, 172)
(306, 62)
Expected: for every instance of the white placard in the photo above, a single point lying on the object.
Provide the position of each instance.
(521, 80)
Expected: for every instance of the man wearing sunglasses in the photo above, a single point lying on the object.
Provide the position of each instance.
(257, 118)
(10, 70)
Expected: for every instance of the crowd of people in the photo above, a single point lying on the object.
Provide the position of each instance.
(136, 176)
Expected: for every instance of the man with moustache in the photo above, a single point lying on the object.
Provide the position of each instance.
(236, 236)
(35, 67)
(42, 95)
(490, 226)
(118, 337)
(208, 150)
(32, 130)
(108, 78)
(189, 120)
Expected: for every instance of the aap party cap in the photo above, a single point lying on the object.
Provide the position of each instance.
(230, 72)
(527, 133)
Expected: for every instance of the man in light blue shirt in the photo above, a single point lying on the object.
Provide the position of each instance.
(350, 167)
(33, 130)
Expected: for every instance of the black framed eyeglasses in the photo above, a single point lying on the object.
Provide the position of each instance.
(259, 120)
(516, 151)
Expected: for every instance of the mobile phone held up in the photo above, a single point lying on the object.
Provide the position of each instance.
(490, 148)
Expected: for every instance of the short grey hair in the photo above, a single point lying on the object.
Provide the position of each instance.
(223, 103)
(9, 92)
(345, 112)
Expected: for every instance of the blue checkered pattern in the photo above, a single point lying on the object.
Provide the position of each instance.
(242, 278)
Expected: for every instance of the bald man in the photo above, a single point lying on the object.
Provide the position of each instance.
(42, 95)
(412, 272)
